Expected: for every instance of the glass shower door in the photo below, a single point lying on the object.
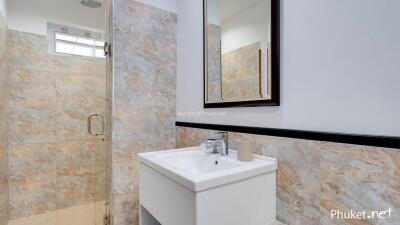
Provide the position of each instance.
(58, 110)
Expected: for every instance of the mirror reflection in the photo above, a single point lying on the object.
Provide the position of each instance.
(238, 50)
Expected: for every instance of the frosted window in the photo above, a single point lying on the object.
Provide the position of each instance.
(77, 45)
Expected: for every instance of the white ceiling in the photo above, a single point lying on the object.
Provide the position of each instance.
(229, 8)
(32, 15)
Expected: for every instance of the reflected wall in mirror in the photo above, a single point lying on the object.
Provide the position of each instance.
(241, 53)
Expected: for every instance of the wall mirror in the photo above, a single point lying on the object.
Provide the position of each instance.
(241, 53)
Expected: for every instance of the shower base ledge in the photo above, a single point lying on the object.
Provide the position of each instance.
(87, 214)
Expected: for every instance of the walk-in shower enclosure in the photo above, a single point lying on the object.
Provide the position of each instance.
(55, 105)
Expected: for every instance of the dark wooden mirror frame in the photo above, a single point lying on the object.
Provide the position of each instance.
(275, 64)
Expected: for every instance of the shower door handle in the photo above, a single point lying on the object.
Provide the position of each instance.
(89, 122)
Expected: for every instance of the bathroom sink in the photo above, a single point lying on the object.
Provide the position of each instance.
(197, 170)
(197, 162)
(191, 187)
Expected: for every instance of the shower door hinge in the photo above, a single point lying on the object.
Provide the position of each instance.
(107, 49)
(107, 219)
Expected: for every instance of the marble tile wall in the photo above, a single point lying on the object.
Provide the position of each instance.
(316, 177)
(240, 73)
(214, 82)
(3, 123)
(53, 162)
(144, 96)
(234, 75)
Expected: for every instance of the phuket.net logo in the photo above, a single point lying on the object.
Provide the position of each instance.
(361, 215)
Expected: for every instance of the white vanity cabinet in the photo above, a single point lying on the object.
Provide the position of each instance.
(190, 187)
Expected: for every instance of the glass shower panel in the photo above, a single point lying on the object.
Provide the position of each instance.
(56, 154)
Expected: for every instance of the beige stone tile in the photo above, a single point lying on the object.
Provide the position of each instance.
(314, 177)
(71, 125)
(79, 178)
(149, 82)
(188, 137)
(32, 106)
(125, 176)
(359, 178)
(141, 124)
(133, 16)
(240, 73)
(27, 50)
(32, 126)
(144, 96)
(214, 81)
(126, 209)
(32, 179)
(30, 52)
(31, 88)
(78, 90)
(77, 97)
(4, 97)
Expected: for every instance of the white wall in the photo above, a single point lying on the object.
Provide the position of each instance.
(340, 69)
(3, 8)
(213, 12)
(167, 5)
(243, 28)
(32, 16)
(247, 27)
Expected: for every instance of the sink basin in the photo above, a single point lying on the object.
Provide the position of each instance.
(197, 170)
(191, 187)
(197, 162)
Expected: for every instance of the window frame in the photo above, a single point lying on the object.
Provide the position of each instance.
(53, 29)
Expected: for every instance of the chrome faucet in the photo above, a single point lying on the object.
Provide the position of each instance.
(218, 143)
(223, 137)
